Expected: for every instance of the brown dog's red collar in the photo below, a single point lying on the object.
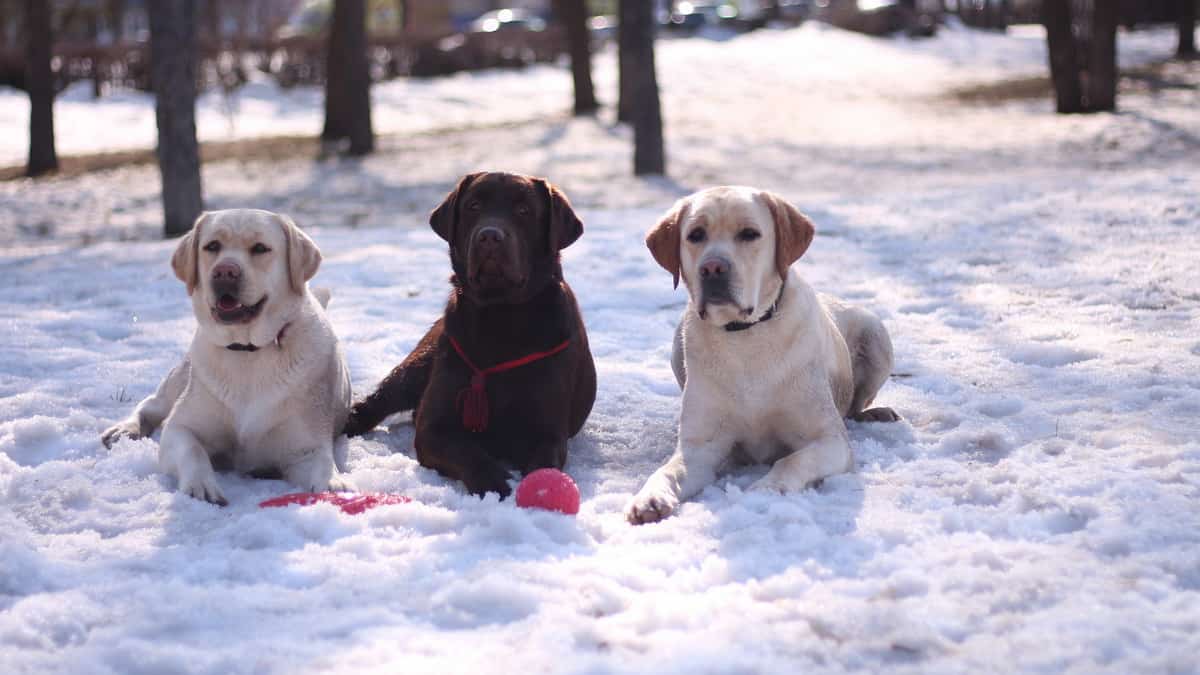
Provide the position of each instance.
(472, 400)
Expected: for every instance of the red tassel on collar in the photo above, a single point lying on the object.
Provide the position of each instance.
(472, 401)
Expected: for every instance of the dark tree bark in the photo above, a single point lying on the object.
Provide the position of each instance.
(39, 81)
(1186, 19)
(574, 16)
(623, 64)
(116, 19)
(404, 18)
(644, 110)
(1065, 69)
(1102, 57)
(1083, 55)
(173, 74)
(348, 79)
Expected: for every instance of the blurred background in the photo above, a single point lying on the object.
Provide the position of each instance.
(93, 85)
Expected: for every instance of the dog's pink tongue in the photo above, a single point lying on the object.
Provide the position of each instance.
(227, 302)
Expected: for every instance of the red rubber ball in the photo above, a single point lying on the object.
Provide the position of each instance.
(549, 489)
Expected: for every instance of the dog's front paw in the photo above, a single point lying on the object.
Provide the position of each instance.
(782, 484)
(339, 483)
(315, 473)
(203, 485)
(129, 428)
(876, 415)
(651, 506)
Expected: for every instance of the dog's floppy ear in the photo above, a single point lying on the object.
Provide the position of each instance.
(185, 260)
(793, 231)
(565, 227)
(663, 239)
(303, 256)
(445, 217)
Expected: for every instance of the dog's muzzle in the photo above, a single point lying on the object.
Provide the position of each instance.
(716, 287)
(492, 259)
(226, 284)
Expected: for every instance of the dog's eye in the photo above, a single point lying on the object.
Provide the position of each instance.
(213, 246)
(697, 235)
(259, 249)
(473, 205)
(748, 234)
(522, 209)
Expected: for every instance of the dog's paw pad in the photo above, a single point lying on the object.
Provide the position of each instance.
(650, 509)
(118, 431)
(876, 415)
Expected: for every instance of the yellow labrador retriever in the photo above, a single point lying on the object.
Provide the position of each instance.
(768, 368)
(264, 388)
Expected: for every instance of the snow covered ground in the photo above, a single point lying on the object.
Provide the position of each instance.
(1037, 510)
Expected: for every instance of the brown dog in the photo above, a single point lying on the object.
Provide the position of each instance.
(505, 377)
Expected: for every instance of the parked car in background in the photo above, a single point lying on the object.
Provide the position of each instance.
(508, 20)
(882, 17)
(793, 11)
(689, 17)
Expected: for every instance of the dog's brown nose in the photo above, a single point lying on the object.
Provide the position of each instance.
(489, 235)
(226, 271)
(714, 268)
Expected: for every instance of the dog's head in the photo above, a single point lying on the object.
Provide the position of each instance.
(246, 271)
(733, 247)
(505, 231)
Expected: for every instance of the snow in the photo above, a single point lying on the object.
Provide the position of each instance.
(1036, 510)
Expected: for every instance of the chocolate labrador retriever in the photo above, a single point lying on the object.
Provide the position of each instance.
(505, 377)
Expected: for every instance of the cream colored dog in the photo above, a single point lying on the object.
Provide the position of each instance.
(768, 369)
(264, 388)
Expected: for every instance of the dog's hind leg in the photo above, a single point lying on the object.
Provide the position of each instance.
(871, 363)
(151, 412)
(401, 390)
(678, 365)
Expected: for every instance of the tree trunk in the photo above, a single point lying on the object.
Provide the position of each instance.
(39, 82)
(116, 18)
(645, 114)
(623, 63)
(574, 15)
(348, 79)
(404, 21)
(1102, 57)
(173, 74)
(1187, 29)
(1065, 69)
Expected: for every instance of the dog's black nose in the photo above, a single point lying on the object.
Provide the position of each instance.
(714, 268)
(490, 235)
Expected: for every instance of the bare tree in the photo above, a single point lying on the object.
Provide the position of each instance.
(39, 82)
(1083, 55)
(1102, 57)
(574, 15)
(1186, 18)
(404, 18)
(116, 19)
(637, 20)
(348, 80)
(173, 74)
(623, 63)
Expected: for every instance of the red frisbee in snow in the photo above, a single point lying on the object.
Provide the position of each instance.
(349, 502)
(549, 489)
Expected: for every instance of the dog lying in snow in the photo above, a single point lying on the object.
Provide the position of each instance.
(264, 388)
(505, 376)
(768, 368)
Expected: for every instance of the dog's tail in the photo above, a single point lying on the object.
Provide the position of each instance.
(401, 390)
